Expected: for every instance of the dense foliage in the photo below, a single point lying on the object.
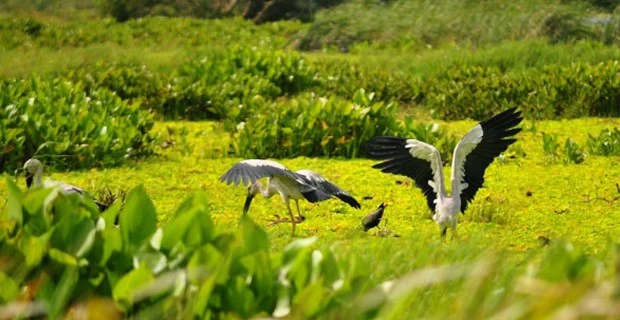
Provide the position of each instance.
(578, 90)
(62, 257)
(68, 127)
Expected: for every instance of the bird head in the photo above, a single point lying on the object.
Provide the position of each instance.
(32, 167)
(253, 189)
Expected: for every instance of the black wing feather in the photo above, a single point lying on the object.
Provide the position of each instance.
(324, 189)
(495, 140)
(400, 161)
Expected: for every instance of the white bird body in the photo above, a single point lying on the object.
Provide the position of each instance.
(33, 169)
(472, 155)
(303, 184)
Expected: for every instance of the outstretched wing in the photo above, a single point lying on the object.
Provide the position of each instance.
(326, 188)
(247, 172)
(412, 158)
(478, 148)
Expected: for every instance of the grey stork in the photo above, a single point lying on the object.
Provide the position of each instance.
(33, 170)
(422, 162)
(303, 184)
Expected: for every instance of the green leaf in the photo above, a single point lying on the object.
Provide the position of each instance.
(152, 259)
(254, 236)
(10, 288)
(308, 301)
(74, 235)
(64, 291)
(62, 257)
(35, 247)
(191, 225)
(125, 289)
(137, 220)
(13, 208)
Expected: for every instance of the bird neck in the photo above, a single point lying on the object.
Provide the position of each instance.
(266, 193)
(35, 180)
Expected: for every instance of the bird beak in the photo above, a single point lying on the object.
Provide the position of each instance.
(248, 201)
(29, 179)
(18, 171)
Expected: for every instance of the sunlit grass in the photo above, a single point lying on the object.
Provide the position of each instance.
(525, 200)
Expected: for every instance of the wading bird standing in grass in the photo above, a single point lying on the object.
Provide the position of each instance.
(288, 184)
(374, 218)
(422, 162)
(33, 170)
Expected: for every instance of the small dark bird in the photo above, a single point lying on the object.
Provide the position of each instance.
(372, 219)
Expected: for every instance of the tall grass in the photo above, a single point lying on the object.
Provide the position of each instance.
(419, 24)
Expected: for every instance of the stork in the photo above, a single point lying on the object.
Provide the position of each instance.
(422, 162)
(288, 184)
(33, 170)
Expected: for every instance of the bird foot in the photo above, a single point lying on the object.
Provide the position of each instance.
(278, 220)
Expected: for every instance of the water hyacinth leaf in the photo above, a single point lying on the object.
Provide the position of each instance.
(13, 209)
(111, 243)
(64, 291)
(308, 301)
(254, 236)
(37, 218)
(126, 287)
(137, 219)
(151, 259)
(10, 289)
(74, 235)
(111, 214)
(191, 225)
(62, 257)
(35, 247)
(292, 249)
(207, 262)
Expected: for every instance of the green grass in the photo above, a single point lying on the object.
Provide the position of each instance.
(503, 230)
(566, 202)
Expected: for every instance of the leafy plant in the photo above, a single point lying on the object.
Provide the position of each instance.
(573, 153)
(550, 146)
(70, 128)
(313, 126)
(607, 143)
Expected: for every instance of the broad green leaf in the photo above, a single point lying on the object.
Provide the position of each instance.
(109, 216)
(207, 261)
(191, 225)
(152, 259)
(254, 237)
(125, 289)
(64, 291)
(62, 257)
(137, 220)
(13, 209)
(296, 246)
(35, 247)
(111, 243)
(10, 289)
(308, 300)
(74, 235)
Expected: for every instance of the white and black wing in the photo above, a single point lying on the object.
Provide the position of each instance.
(326, 189)
(247, 172)
(412, 158)
(477, 150)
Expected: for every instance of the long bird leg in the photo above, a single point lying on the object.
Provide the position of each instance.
(290, 212)
(301, 218)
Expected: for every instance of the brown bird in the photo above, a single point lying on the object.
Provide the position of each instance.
(372, 219)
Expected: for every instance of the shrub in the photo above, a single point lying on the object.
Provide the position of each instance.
(551, 92)
(313, 126)
(606, 144)
(58, 121)
(67, 256)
